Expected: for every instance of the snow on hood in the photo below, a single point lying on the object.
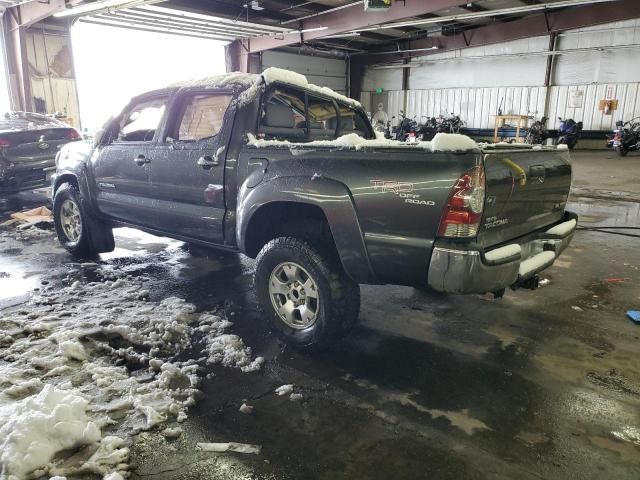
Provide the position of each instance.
(442, 142)
(91, 365)
(255, 83)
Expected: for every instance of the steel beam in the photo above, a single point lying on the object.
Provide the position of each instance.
(529, 26)
(237, 56)
(350, 18)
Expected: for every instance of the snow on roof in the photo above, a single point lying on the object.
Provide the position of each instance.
(442, 142)
(253, 83)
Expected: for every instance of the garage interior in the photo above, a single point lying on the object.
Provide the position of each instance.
(541, 383)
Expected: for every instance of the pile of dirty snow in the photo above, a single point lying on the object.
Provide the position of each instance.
(85, 367)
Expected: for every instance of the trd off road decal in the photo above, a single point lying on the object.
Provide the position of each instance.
(404, 190)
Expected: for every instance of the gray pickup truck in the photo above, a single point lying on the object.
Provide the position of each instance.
(293, 175)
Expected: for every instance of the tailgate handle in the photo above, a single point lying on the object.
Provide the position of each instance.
(537, 171)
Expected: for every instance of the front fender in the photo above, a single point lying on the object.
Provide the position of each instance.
(332, 197)
(72, 167)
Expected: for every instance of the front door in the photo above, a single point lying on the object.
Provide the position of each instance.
(122, 166)
(187, 172)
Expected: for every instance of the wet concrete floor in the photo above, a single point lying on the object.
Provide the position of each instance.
(542, 384)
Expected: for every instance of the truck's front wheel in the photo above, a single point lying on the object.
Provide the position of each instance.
(307, 296)
(77, 231)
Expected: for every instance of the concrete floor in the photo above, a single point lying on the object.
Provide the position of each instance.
(542, 384)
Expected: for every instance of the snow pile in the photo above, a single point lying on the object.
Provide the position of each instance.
(90, 365)
(442, 142)
(42, 425)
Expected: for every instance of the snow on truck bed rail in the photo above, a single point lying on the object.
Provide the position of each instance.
(85, 367)
(442, 142)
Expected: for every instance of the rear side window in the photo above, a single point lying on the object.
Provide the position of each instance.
(352, 121)
(283, 116)
(288, 115)
(323, 118)
(202, 117)
(141, 120)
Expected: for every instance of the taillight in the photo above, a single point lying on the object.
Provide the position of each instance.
(4, 142)
(73, 134)
(463, 212)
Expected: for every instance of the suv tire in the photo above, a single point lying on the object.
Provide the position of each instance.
(77, 231)
(308, 297)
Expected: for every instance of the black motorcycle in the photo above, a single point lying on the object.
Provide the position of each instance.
(626, 137)
(407, 128)
(569, 132)
(428, 129)
(537, 133)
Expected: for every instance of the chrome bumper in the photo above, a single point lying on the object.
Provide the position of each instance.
(475, 271)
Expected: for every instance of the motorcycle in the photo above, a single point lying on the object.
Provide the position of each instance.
(428, 129)
(626, 137)
(537, 132)
(569, 132)
(406, 130)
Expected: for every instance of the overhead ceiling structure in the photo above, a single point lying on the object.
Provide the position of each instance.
(331, 25)
(406, 29)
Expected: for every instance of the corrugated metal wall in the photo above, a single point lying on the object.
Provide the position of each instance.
(476, 106)
(474, 87)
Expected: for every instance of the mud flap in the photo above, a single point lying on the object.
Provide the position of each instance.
(101, 236)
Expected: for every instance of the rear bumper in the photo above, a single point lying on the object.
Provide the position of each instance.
(14, 181)
(476, 271)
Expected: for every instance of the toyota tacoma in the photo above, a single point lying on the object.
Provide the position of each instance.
(293, 175)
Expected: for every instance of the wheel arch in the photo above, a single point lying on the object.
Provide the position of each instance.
(263, 209)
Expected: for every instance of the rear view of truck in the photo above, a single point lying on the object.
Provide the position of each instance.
(505, 221)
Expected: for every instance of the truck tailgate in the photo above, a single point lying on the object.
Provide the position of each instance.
(526, 190)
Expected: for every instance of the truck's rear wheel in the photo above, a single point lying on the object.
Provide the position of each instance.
(77, 231)
(307, 296)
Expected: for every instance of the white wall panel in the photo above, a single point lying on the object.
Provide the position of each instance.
(494, 72)
(627, 94)
(473, 88)
(476, 106)
(325, 72)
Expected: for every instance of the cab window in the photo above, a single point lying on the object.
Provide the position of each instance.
(140, 121)
(202, 117)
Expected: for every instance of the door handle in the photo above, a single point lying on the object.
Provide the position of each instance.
(207, 162)
(141, 160)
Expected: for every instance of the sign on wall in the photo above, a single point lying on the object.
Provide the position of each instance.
(576, 98)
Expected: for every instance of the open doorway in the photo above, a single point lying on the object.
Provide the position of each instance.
(113, 64)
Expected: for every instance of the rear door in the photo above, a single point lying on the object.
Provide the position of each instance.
(187, 171)
(122, 167)
(527, 190)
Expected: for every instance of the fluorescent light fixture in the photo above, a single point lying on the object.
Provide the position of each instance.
(343, 35)
(94, 7)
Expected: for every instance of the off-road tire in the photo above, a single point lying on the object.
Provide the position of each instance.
(94, 237)
(338, 295)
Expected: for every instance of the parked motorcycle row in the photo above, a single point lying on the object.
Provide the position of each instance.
(625, 138)
(410, 130)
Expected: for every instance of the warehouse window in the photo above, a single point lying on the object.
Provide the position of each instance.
(202, 117)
